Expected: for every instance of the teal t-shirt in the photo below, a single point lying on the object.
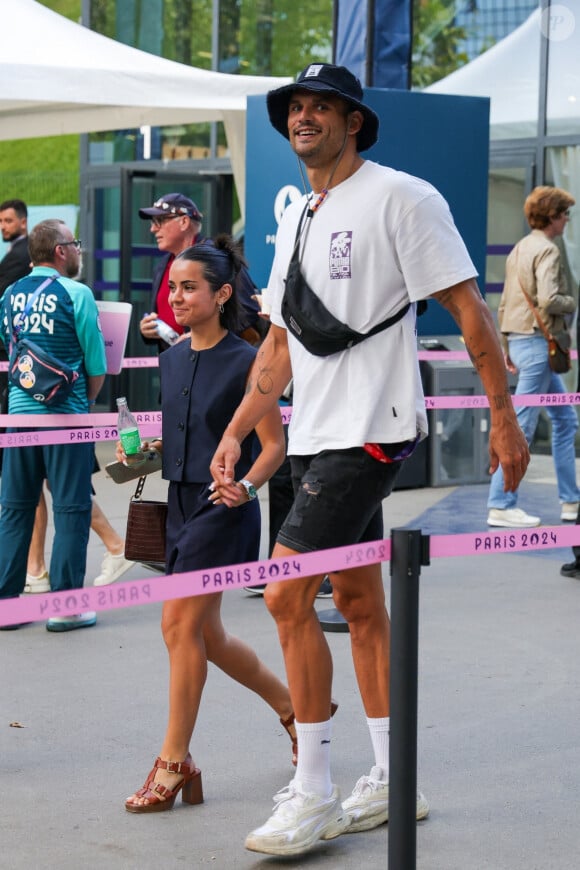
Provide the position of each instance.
(64, 320)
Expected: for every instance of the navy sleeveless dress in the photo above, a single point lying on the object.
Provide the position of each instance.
(200, 391)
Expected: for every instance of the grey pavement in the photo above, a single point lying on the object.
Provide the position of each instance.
(499, 706)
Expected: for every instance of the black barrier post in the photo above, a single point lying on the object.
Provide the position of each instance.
(409, 550)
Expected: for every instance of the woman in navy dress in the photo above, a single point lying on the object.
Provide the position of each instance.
(203, 379)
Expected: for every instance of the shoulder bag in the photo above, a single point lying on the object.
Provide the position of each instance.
(32, 369)
(559, 357)
(146, 522)
(310, 321)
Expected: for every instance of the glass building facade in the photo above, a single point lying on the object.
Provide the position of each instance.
(485, 22)
(536, 140)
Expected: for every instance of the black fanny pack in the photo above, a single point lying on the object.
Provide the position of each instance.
(310, 321)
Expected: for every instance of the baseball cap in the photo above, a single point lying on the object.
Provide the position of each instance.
(330, 79)
(172, 204)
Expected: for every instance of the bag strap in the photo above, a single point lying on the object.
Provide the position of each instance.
(15, 331)
(308, 214)
(139, 488)
(534, 309)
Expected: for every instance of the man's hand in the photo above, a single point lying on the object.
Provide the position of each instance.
(148, 326)
(508, 447)
(224, 461)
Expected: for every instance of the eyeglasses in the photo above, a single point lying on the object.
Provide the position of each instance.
(159, 221)
(76, 242)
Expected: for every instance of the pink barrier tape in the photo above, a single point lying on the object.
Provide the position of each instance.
(543, 399)
(129, 362)
(103, 427)
(46, 420)
(505, 541)
(150, 421)
(33, 608)
(69, 436)
(151, 362)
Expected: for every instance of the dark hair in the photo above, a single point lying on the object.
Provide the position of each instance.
(545, 203)
(17, 204)
(43, 239)
(222, 261)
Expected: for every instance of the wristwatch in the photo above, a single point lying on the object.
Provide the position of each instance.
(251, 490)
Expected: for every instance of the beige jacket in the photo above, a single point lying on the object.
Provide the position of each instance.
(536, 261)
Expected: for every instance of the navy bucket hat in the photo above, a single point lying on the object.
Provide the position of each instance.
(329, 79)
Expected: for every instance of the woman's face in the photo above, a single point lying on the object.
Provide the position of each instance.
(190, 296)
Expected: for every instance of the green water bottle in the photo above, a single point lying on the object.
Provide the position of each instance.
(129, 433)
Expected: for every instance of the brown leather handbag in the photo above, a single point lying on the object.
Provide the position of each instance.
(146, 521)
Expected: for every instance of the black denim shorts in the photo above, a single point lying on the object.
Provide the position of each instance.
(337, 499)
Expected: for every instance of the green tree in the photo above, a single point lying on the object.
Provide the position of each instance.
(436, 41)
(43, 171)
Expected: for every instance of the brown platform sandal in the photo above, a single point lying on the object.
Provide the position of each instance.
(289, 724)
(162, 798)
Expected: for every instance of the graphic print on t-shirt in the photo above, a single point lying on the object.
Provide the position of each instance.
(340, 250)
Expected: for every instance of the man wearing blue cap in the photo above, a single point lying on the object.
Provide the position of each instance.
(352, 260)
(175, 221)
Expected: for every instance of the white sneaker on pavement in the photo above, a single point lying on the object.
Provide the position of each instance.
(368, 805)
(72, 622)
(569, 511)
(298, 822)
(40, 583)
(112, 568)
(512, 518)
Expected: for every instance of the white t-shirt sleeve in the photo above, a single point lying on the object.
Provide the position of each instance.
(431, 253)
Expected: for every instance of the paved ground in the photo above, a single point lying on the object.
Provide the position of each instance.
(499, 705)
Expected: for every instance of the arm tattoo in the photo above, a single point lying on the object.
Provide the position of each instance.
(264, 384)
(504, 400)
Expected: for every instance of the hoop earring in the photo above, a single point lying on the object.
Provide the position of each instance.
(221, 308)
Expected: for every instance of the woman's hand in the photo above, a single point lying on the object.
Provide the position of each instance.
(230, 494)
(121, 456)
(512, 369)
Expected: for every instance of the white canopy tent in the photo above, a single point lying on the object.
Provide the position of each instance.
(509, 73)
(59, 77)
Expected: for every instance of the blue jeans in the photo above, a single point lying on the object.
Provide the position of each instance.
(68, 469)
(530, 356)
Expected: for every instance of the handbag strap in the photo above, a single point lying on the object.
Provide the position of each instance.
(15, 331)
(139, 488)
(534, 309)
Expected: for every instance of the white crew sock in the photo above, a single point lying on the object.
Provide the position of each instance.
(313, 768)
(380, 729)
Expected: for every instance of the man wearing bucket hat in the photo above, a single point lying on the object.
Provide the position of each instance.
(175, 220)
(369, 243)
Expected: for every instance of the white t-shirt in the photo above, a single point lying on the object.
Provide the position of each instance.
(380, 239)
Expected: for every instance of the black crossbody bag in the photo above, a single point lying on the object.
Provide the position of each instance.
(310, 321)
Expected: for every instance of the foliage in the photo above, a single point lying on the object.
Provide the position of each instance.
(257, 37)
(43, 171)
(436, 41)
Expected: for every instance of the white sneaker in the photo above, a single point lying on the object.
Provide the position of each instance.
(69, 623)
(112, 568)
(368, 805)
(298, 822)
(569, 511)
(41, 583)
(512, 518)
